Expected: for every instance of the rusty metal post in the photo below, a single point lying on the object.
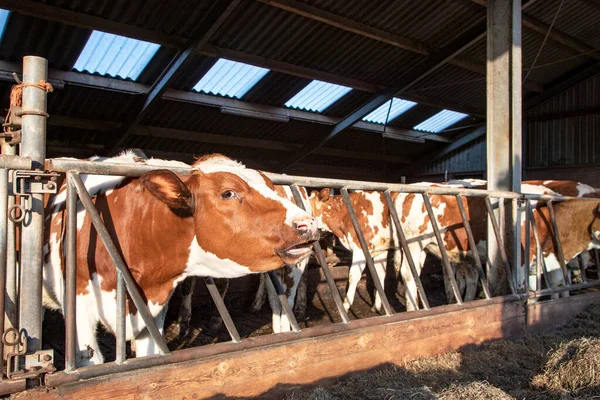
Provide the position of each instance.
(35, 69)
(223, 312)
(323, 262)
(3, 256)
(121, 334)
(440, 242)
(500, 244)
(404, 245)
(71, 277)
(473, 246)
(527, 255)
(276, 286)
(112, 250)
(365, 249)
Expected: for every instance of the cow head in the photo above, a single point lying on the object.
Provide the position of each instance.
(238, 218)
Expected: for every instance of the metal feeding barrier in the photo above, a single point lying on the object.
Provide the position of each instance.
(26, 178)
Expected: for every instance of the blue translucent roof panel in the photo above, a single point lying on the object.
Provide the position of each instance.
(3, 19)
(230, 78)
(317, 96)
(117, 56)
(440, 121)
(399, 106)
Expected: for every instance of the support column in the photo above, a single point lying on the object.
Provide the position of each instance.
(33, 144)
(504, 127)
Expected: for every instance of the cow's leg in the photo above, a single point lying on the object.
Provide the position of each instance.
(261, 295)
(555, 275)
(88, 351)
(380, 266)
(356, 270)
(418, 256)
(144, 344)
(450, 298)
(182, 325)
(301, 296)
(472, 279)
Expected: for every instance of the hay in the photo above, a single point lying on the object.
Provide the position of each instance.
(474, 391)
(573, 366)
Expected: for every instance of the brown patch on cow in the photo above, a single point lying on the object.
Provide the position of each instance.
(423, 227)
(268, 182)
(407, 205)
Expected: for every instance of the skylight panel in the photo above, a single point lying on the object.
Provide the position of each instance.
(317, 96)
(399, 106)
(230, 78)
(440, 121)
(116, 56)
(3, 19)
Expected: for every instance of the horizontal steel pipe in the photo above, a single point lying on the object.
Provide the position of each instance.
(15, 162)
(133, 170)
(62, 378)
(560, 289)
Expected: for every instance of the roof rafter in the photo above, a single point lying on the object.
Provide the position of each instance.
(212, 138)
(176, 66)
(412, 77)
(117, 85)
(379, 35)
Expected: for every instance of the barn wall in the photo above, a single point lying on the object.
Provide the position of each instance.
(562, 141)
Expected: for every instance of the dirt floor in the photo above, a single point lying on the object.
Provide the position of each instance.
(563, 364)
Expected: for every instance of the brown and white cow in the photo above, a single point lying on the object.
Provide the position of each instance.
(374, 219)
(222, 220)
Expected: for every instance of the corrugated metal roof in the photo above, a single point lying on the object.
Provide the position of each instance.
(440, 121)
(230, 78)
(317, 96)
(114, 55)
(385, 113)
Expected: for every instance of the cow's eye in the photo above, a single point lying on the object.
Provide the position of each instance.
(228, 195)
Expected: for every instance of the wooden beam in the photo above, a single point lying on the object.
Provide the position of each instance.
(349, 25)
(204, 137)
(411, 78)
(178, 64)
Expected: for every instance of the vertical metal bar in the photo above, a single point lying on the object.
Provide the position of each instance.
(365, 249)
(516, 244)
(12, 298)
(121, 319)
(323, 262)
(442, 247)
(527, 255)
(3, 255)
(582, 268)
(223, 312)
(35, 69)
(500, 244)
(557, 244)
(278, 288)
(71, 278)
(473, 246)
(405, 248)
(112, 250)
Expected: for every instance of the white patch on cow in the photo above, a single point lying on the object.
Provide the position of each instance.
(256, 181)
(583, 189)
(202, 263)
(548, 182)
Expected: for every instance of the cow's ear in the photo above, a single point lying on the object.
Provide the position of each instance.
(168, 188)
(324, 194)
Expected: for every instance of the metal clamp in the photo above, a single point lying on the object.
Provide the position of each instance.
(12, 212)
(35, 364)
(26, 183)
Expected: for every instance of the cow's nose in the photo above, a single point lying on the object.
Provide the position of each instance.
(305, 225)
